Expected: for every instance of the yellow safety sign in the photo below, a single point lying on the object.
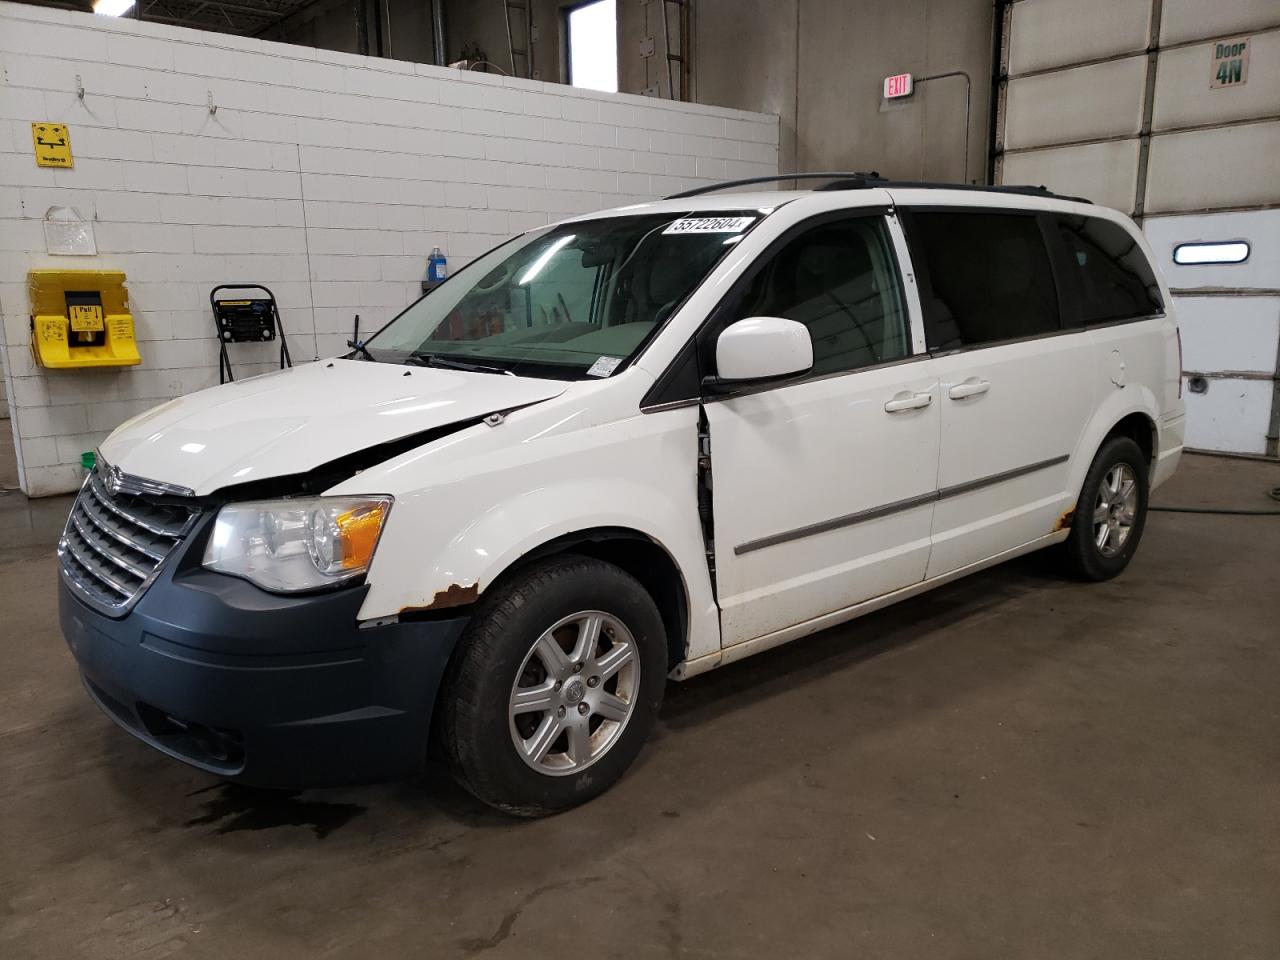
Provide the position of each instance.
(52, 144)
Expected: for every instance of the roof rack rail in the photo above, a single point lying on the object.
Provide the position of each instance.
(729, 184)
(863, 182)
(866, 181)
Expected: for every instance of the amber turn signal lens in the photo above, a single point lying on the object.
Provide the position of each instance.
(359, 529)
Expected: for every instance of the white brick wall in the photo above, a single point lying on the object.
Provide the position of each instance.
(327, 176)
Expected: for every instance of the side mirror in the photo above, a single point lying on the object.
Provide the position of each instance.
(760, 350)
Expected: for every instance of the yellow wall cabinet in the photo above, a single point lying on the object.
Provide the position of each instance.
(80, 318)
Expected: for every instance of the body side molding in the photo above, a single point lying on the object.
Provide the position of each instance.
(875, 513)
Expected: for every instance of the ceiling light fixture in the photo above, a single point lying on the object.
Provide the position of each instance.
(112, 8)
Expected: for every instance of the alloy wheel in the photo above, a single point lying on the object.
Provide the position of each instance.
(574, 693)
(1116, 510)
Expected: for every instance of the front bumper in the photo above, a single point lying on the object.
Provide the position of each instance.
(268, 690)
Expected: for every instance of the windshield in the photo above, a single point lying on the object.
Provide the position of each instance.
(573, 301)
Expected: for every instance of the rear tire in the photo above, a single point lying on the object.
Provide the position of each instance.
(556, 686)
(1111, 512)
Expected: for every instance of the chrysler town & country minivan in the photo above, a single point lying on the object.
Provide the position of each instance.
(629, 446)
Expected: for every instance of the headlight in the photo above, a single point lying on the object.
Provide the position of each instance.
(289, 545)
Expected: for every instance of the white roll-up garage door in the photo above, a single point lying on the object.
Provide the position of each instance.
(1170, 111)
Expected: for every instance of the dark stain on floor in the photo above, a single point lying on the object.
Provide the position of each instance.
(233, 808)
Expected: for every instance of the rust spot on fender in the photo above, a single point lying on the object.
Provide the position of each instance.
(455, 595)
(1064, 521)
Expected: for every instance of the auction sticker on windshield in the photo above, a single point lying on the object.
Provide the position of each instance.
(604, 366)
(710, 225)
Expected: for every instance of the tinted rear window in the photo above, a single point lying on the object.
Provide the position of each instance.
(987, 277)
(1107, 271)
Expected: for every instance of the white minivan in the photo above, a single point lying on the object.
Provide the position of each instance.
(634, 445)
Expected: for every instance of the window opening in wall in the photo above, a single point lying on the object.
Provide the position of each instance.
(593, 45)
(1226, 251)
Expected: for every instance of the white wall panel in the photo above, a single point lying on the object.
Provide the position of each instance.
(1236, 334)
(1182, 20)
(1226, 334)
(1055, 33)
(1184, 98)
(1106, 173)
(1225, 167)
(1233, 416)
(1103, 100)
(1261, 228)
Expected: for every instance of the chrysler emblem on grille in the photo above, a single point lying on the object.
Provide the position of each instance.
(115, 480)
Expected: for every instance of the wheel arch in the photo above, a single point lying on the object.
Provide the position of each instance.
(635, 552)
(1132, 413)
(643, 558)
(1139, 427)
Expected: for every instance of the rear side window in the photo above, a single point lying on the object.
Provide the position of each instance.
(840, 280)
(1107, 271)
(986, 277)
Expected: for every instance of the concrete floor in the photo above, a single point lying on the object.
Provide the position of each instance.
(1012, 766)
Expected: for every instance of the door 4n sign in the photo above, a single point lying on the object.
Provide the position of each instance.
(1230, 66)
(52, 144)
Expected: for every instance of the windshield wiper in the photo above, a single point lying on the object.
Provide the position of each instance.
(359, 347)
(435, 360)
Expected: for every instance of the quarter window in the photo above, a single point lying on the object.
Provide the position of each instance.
(987, 277)
(840, 280)
(1107, 271)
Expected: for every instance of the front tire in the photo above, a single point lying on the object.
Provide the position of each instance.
(1111, 512)
(556, 686)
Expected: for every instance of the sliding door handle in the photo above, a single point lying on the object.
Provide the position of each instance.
(971, 387)
(908, 401)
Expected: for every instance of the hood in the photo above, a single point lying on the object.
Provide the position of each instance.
(298, 419)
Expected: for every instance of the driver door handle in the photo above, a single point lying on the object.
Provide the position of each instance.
(971, 387)
(908, 401)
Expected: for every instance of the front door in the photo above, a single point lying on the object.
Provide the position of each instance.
(822, 489)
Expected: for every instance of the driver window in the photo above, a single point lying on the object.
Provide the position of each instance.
(840, 280)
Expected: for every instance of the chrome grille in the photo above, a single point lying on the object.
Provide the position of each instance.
(115, 542)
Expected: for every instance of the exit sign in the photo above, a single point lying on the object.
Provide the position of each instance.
(899, 85)
(1230, 63)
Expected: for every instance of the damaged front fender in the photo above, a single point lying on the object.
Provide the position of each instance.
(454, 595)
